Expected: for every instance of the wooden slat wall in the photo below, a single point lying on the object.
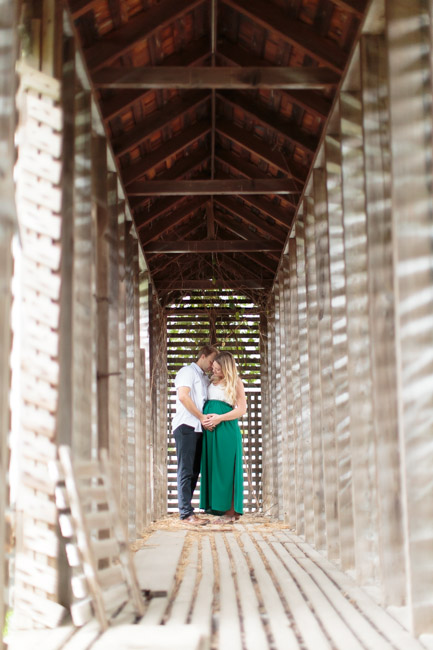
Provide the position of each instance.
(238, 327)
(7, 226)
(85, 372)
(359, 363)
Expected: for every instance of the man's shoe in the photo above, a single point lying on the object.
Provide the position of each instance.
(193, 520)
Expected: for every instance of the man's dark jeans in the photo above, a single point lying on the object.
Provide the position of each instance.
(188, 449)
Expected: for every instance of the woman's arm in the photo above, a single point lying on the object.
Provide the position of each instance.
(237, 412)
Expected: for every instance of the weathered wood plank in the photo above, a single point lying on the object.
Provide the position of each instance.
(358, 340)
(330, 472)
(339, 348)
(156, 563)
(216, 186)
(215, 246)
(229, 630)
(412, 208)
(381, 271)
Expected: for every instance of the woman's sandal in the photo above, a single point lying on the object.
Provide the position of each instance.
(227, 519)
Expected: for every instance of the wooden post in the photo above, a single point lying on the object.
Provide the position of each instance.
(410, 82)
(275, 342)
(268, 496)
(382, 315)
(304, 379)
(339, 349)
(145, 293)
(298, 446)
(123, 428)
(84, 308)
(314, 375)
(360, 385)
(326, 364)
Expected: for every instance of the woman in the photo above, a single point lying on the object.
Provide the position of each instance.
(221, 483)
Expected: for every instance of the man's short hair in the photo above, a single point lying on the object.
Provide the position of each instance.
(206, 350)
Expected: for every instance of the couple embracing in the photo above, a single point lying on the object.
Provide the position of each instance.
(208, 438)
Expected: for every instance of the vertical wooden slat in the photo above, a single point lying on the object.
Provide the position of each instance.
(100, 197)
(326, 364)
(304, 377)
(123, 430)
(145, 292)
(360, 386)
(7, 224)
(276, 392)
(268, 497)
(84, 309)
(339, 348)
(410, 82)
(286, 404)
(130, 247)
(296, 390)
(381, 305)
(314, 375)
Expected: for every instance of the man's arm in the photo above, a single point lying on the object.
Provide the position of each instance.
(183, 393)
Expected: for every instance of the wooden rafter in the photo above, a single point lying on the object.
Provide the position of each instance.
(244, 269)
(234, 226)
(262, 260)
(292, 31)
(247, 216)
(194, 54)
(141, 27)
(161, 118)
(166, 150)
(183, 167)
(158, 209)
(80, 7)
(281, 215)
(153, 231)
(310, 100)
(194, 78)
(186, 284)
(271, 120)
(261, 149)
(357, 7)
(217, 187)
(211, 246)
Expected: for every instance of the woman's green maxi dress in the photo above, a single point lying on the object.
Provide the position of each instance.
(221, 463)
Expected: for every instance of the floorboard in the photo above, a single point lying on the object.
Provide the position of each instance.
(244, 587)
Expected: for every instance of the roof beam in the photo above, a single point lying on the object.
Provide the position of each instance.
(282, 216)
(216, 187)
(292, 31)
(211, 246)
(263, 260)
(186, 165)
(260, 148)
(239, 264)
(166, 150)
(139, 28)
(289, 130)
(310, 100)
(194, 54)
(158, 209)
(157, 120)
(80, 7)
(220, 283)
(236, 227)
(150, 232)
(236, 208)
(222, 77)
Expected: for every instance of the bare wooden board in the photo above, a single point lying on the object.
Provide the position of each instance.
(40, 639)
(229, 631)
(156, 563)
(184, 596)
(158, 637)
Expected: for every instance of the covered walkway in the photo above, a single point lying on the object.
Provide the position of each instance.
(252, 174)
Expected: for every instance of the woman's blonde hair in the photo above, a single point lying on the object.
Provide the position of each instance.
(230, 374)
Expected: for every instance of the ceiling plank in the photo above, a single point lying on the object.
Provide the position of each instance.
(140, 27)
(272, 120)
(222, 77)
(310, 100)
(262, 149)
(238, 209)
(168, 149)
(157, 120)
(211, 246)
(194, 54)
(292, 31)
(220, 283)
(216, 187)
(153, 231)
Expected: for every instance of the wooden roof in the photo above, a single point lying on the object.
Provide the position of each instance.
(215, 109)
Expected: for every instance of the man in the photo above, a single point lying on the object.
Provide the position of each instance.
(191, 383)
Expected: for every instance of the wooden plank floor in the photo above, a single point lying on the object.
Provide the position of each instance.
(252, 586)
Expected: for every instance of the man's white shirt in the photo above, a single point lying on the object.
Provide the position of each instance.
(196, 380)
